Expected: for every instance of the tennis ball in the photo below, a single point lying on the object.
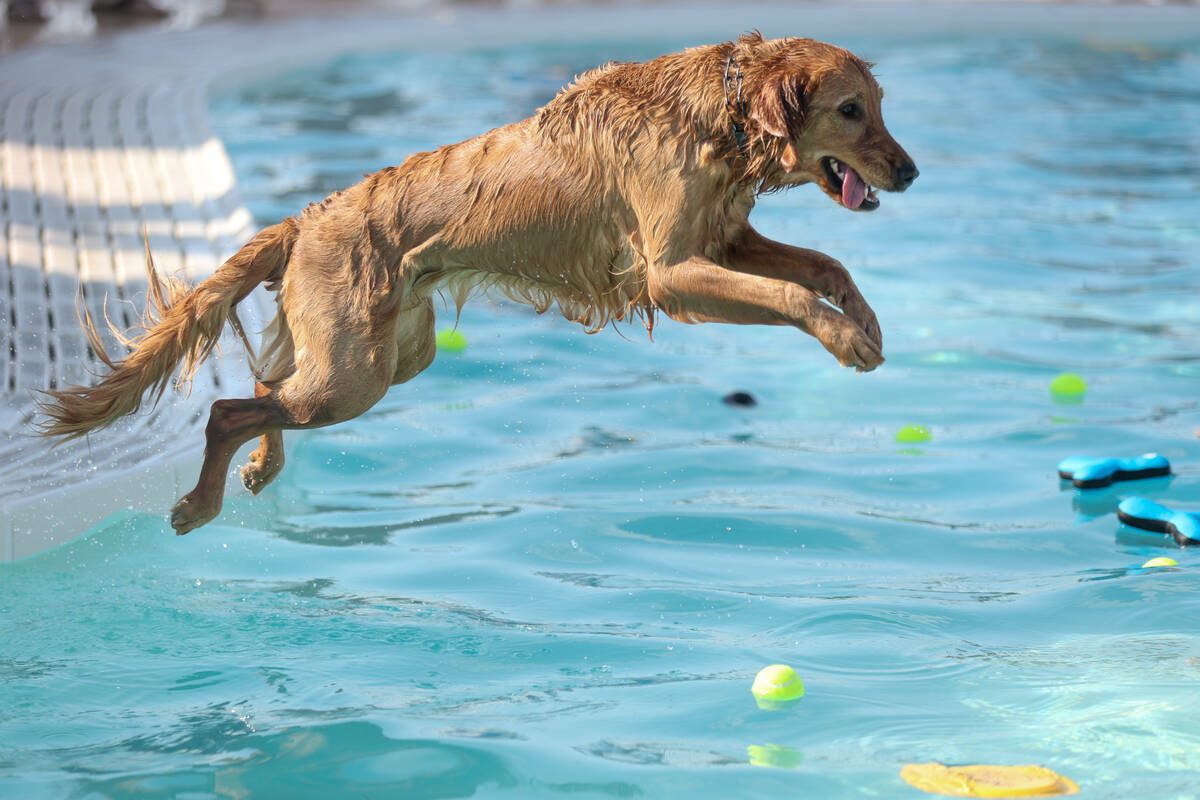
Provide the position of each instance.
(451, 341)
(777, 686)
(910, 434)
(1161, 561)
(1068, 385)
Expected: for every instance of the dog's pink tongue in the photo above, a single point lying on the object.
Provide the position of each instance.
(854, 191)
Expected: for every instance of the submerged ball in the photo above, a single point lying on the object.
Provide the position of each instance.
(1068, 384)
(913, 433)
(451, 341)
(744, 399)
(1161, 561)
(777, 686)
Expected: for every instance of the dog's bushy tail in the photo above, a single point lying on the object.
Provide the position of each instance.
(181, 326)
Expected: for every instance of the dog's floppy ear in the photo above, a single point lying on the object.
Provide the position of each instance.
(778, 108)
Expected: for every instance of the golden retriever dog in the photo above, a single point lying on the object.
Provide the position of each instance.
(626, 195)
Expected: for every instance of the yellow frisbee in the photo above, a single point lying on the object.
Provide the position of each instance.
(988, 780)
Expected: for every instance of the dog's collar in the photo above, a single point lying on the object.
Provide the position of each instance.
(735, 106)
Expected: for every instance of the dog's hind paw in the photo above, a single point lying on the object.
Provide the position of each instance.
(261, 469)
(189, 513)
(255, 477)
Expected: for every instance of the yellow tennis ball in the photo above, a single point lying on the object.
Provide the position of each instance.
(777, 686)
(451, 341)
(913, 433)
(1161, 561)
(1068, 384)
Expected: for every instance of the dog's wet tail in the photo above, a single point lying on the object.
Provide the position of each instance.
(181, 326)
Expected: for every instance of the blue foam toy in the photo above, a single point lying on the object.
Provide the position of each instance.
(1093, 473)
(1184, 526)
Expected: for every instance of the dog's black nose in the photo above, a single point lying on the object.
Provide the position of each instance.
(905, 174)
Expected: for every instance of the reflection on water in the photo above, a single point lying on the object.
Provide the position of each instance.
(651, 753)
(773, 755)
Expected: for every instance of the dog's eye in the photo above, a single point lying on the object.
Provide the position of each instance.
(851, 111)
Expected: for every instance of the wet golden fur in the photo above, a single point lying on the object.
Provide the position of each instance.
(628, 194)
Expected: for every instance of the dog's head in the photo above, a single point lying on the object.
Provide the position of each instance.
(818, 108)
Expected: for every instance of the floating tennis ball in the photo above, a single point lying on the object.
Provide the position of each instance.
(451, 341)
(911, 434)
(777, 686)
(1161, 561)
(987, 780)
(1068, 385)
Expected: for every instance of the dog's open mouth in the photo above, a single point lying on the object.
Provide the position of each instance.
(855, 194)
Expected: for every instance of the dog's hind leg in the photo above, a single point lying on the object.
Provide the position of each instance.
(343, 372)
(231, 423)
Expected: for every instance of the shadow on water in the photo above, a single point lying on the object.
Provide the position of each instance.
(303, 531)
(340, 760)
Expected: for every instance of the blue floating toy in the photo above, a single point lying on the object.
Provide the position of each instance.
(1093, 473)
(1184, 526)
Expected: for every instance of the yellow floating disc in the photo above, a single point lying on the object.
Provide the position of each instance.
(988, 780)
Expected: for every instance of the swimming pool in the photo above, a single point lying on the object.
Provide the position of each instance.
(553, 563)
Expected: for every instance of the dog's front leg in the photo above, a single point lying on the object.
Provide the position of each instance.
(700, 290)
(754, 253)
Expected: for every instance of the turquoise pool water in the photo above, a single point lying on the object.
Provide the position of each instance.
(553, 563)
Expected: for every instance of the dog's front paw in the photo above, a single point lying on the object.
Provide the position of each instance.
(864, 316)
(861, 352)
(848, 342)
